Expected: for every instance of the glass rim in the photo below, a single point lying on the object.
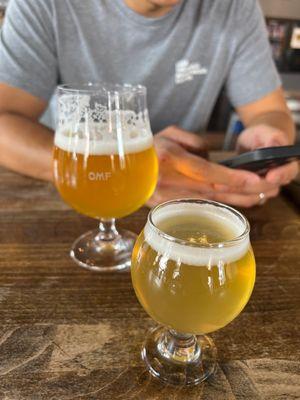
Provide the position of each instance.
(95, 87)
(216, 245)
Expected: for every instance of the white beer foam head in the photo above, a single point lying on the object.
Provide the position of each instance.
(88, 127)
(192, 255)
(96, 139)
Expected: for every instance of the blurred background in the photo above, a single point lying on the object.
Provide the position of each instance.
(283, 24)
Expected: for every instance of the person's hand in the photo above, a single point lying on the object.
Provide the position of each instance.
(183, 174)
(260, 136)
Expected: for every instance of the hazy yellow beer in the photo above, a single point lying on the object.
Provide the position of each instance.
(98, 181)
(189, 271)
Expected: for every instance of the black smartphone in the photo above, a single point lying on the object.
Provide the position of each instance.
(262, 160)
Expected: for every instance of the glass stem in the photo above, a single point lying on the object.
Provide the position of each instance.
(107, 229)
(179, 347)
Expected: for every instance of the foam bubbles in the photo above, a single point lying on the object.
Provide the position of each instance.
(197, 256)
(70, 142)
(117, 133)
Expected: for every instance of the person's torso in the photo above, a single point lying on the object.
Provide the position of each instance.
(182, 58)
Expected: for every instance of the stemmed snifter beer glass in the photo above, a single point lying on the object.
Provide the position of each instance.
(105, 165)
(193, 271)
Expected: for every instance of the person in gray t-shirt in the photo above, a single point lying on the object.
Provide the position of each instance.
(184, 51)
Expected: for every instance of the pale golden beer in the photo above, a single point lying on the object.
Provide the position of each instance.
(106, 185)
(189, 270)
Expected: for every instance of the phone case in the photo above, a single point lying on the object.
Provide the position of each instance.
(262, 160)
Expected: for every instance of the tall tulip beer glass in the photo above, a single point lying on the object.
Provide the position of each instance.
(193, 271)
(105, 165)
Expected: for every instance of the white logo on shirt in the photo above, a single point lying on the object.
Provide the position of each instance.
(185, 71)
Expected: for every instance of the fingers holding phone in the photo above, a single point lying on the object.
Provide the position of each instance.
(275, 164)
(183, 174)
(283, 175)
(270, 154)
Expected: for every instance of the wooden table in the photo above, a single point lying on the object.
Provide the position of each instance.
(71, 334)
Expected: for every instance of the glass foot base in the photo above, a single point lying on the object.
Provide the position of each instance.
(92, 253)
(165, 361)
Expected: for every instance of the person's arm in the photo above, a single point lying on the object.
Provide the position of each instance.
(29, 74)
(254, 89)
(269, 123)
(25, 144)
(270, 111)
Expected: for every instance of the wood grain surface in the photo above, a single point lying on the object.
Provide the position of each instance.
(67, 334)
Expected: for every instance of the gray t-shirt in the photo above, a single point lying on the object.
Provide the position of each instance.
(184, 58)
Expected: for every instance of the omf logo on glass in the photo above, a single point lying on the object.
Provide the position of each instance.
(99, 176)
